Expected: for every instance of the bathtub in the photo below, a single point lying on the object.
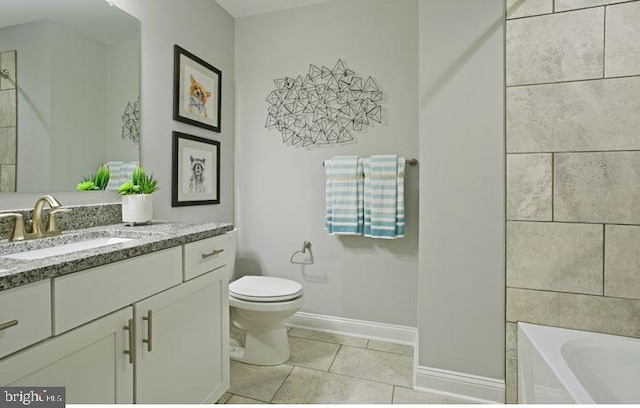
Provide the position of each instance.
(561, 366)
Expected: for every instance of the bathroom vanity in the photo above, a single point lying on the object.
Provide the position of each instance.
(143, 318)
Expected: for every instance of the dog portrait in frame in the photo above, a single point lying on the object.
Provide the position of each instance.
(197, 93)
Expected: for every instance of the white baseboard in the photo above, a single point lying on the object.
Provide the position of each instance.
(461, 385)
(357, 328)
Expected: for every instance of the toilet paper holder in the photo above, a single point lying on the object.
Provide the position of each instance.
(305, 246)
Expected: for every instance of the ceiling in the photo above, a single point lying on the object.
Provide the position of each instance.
(94, 18)
(244, 8)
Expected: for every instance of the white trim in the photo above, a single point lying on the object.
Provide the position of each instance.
(461, 385)
(357, 328)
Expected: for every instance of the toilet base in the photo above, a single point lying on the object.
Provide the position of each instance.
(262, 346)
(259, 330)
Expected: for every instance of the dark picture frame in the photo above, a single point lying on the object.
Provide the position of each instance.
(197, 91)
(196, 171)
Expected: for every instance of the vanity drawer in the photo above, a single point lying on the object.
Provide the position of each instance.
(87, 295)
(25, 314)
(208, 254)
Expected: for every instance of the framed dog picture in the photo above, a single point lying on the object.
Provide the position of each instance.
(197, 92)
(196, 170)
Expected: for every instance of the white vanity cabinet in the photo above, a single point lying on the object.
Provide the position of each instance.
(88, 361)
(25, 316)
(184, 340)
(161, 318)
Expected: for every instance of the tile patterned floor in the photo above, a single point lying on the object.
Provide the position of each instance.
(327, 368)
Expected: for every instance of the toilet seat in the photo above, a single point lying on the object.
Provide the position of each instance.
(264, 289)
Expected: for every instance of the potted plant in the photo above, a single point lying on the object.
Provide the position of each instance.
(96, 181)
(137, 203)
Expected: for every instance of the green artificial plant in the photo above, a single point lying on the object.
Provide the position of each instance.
(141, 183)
(96, 181)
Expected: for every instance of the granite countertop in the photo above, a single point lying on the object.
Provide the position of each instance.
(146, 239)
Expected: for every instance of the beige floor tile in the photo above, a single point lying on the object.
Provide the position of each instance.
(237, 399)
(403, 395)
(306, 386)
(257, 382)
(374, 365)
(390, 347)
(328, 337)
(225, 397)
(311, 353)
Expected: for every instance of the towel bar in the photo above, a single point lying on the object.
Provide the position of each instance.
(410, 162)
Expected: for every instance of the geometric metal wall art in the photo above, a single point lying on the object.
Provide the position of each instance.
(324, 106)
(131, 122)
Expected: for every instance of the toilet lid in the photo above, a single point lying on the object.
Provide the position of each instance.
(264, 289)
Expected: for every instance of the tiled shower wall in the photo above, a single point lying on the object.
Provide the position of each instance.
(573, 167)
(8, 123)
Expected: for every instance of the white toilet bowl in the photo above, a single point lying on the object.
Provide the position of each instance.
(259, 306)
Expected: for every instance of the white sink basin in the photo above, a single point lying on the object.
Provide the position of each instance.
(66, 248)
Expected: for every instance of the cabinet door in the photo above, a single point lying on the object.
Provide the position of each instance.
(183, 354)
(89, 361)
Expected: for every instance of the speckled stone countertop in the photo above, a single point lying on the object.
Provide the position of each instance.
(146, 239)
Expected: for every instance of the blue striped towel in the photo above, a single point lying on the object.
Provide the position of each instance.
(344, 195)
(384, 197)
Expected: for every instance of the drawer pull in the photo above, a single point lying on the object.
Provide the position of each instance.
(149, 319)
(5, 326)
(213, 253)
(132, 341)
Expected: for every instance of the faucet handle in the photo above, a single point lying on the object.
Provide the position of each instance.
(52, 225)
(18, 226)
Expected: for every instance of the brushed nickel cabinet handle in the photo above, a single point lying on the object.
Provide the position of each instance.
(132, 341)
(5, 326)
(149, 319)
(212, 253)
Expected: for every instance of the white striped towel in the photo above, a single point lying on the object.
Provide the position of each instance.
(119, 173)
(384, 197)
(344, 196)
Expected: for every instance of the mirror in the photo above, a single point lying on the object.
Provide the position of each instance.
(69, 92)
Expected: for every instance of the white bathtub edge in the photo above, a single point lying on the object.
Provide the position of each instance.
(460, 385)
(548, 341)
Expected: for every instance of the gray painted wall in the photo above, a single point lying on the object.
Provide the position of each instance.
(461, 277)
(206, 30)
(281, 189)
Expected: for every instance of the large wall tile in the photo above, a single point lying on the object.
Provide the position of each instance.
(597, 187)
(572, 311)
(578, 116)
(8, 145)
(622, 48)
(511, 374)
(556, 47)
(622, 261)
(529, 187)
(7, 178)
(563, 5)
(8, 62)
(8, 108)
(555, 256)
(526, 8)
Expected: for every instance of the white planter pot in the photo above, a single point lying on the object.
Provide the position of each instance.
(137, 209)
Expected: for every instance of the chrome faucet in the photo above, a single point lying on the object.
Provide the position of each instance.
(37, 227)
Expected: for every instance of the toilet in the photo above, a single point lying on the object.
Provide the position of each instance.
(259, 306)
